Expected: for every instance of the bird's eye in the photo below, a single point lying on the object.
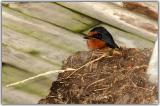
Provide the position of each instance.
(98, 36)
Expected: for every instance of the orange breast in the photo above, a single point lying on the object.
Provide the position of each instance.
(95, 44)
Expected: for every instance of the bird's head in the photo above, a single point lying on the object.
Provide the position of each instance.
(101, 35)
(96, 33)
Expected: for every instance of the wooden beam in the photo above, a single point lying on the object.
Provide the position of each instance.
(149, 9)
(114, 15)
(25, 61)
(13, 96)
(37, 87)
(55, 14)
(33, 46)
(53, 35)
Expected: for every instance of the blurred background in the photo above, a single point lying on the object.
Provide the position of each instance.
(38, 36)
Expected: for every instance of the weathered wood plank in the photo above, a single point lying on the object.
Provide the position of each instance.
(37, 87)
(25, 61)
(46, 32)
(33, 46)
(11, 74)
(114, 15)
(55, 14)
(126, 39)
(149, 9)
(13, 96)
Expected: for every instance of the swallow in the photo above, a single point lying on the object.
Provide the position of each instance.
(99, 38)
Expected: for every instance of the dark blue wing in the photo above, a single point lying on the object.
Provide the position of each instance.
(107, 37)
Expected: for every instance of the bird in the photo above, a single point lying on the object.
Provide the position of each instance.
(99, 38)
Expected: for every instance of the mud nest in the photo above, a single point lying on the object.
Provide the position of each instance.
(118, 77)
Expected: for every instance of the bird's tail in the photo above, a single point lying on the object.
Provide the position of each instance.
(114, 45)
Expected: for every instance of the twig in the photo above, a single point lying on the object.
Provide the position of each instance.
(95, 83)
(54, 71)
(39, 75)
(90, 62)
(100, 89)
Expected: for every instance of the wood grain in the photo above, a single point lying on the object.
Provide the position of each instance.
(55, 14)
(114, 15)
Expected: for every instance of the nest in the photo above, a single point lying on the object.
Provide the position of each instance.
(118, 77)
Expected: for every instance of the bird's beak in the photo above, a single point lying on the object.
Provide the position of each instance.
(87, 37)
